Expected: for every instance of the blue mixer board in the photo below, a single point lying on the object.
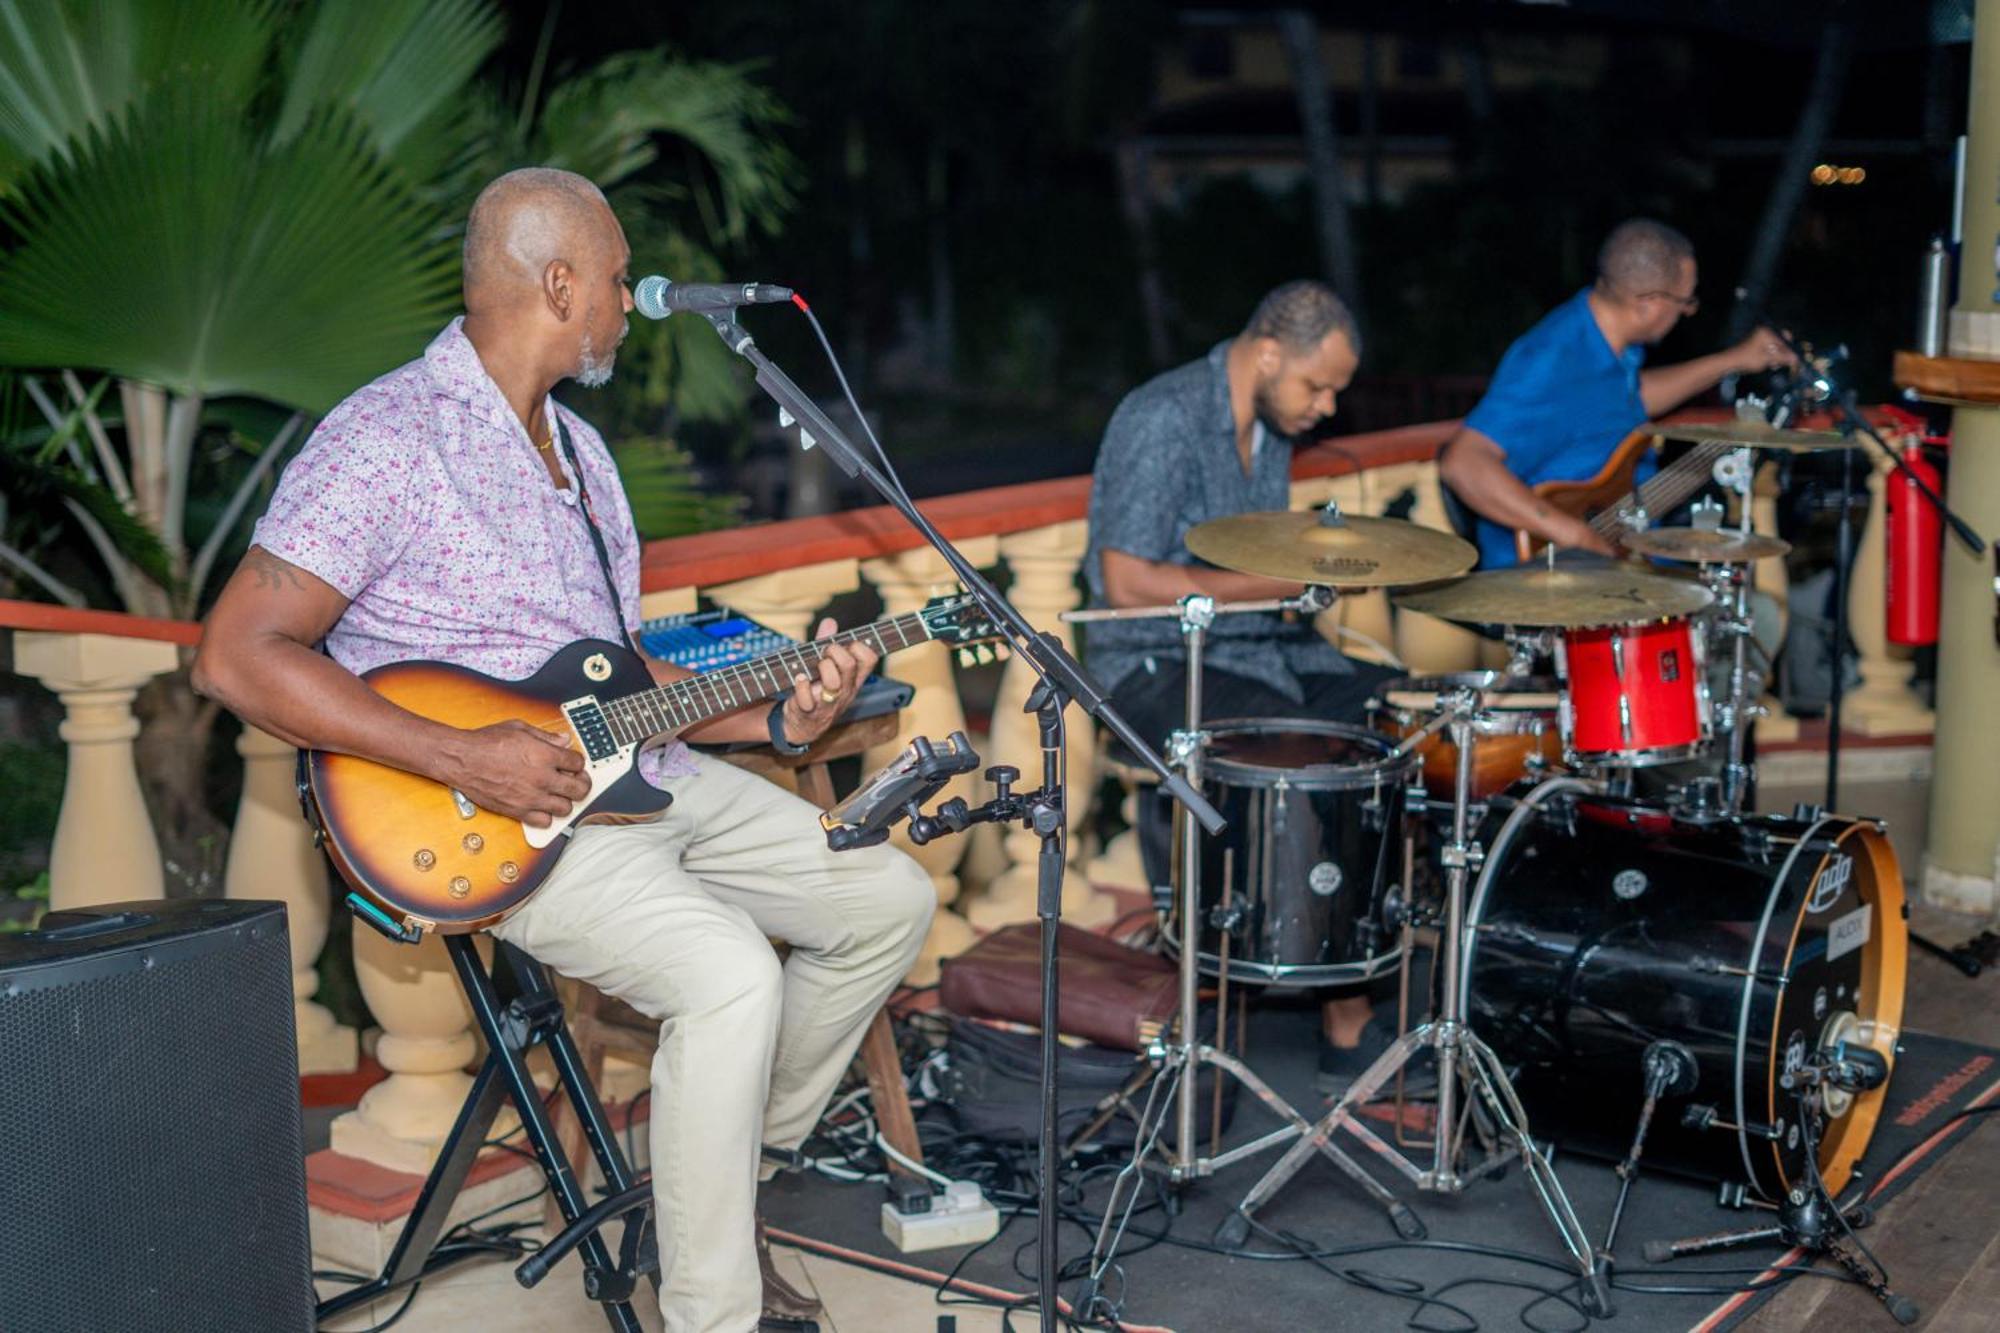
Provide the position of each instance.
(709, 640)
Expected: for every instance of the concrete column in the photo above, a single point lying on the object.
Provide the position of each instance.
(1043, 562)
(1883, 704)
(906, 581)
(271, 856)
(105, 850)
(1959, 860)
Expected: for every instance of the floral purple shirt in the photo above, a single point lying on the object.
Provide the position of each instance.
(422, 499)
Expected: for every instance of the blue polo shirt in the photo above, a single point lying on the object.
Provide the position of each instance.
(1559, 404)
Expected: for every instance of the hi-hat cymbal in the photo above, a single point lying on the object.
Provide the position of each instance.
(1564, 597)
(1755, 435)
(1704, 546)
(1347, 552)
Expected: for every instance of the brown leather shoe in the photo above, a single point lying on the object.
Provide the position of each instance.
(782, 1301)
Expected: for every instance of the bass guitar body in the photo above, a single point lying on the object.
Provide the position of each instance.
(1587, 499)
(424, 853)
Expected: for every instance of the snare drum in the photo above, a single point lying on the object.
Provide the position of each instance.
(1634, 695)
(1298, 885)
(1516, 727)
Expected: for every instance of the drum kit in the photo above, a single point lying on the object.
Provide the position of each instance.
(1597, 953)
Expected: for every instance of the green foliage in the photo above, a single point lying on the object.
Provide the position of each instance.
(666, 502)
(148, 250)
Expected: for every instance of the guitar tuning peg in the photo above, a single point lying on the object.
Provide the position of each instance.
(964, 656)
(1001, 652)
(984, 653)
(785, 419)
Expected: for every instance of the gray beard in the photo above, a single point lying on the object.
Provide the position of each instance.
(593, 371)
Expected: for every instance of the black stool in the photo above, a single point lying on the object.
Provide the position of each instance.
(515, 1008)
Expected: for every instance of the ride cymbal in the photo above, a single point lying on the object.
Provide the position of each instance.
(1704, 546)
(1566, 598)
(1337, 550)
(1755, 435)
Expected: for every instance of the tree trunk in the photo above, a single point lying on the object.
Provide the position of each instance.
(1135, 201)
(175, 727)
(1760, 270)
(1300, 35)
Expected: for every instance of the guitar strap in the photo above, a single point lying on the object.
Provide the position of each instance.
(590, 521)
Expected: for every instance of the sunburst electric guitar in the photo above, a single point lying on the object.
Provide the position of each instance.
(1610, 503)
(420, 856)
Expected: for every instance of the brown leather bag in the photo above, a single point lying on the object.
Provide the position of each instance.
(1111, 994)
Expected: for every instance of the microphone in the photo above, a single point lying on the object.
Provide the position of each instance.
(657, 297)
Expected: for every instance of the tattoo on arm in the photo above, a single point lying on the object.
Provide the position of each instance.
(271, 572)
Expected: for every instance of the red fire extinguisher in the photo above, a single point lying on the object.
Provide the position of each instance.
(1912, 550)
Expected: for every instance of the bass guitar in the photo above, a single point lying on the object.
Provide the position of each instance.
(420, 856)
(1609, 502)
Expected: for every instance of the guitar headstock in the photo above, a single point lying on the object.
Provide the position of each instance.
(961, 622)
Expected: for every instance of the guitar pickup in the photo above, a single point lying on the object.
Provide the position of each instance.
(587, 719)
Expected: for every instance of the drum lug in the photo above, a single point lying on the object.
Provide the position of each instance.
(1472, 856)
(1716, 967)
(1229, 920)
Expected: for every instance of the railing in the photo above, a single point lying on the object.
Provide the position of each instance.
(784, 574)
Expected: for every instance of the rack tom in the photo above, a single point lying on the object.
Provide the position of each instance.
(1634, 695)
(1516, 727)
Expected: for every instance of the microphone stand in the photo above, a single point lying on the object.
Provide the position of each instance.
(1062, 680)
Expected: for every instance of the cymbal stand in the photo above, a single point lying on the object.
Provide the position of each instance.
(1178, 1054)
(1461, 1055)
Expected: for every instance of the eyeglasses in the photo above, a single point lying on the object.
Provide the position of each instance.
(1688, 304)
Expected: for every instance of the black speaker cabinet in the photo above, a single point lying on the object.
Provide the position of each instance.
(151, 1170)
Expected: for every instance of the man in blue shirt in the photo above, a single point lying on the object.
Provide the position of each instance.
(1572, 388)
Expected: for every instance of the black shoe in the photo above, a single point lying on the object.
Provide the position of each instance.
(1339, 1066)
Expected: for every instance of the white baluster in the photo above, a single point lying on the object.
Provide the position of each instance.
(104, 850)
(1044, 563)
(906, 581)
(271, 856)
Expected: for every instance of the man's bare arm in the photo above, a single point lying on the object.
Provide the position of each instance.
(1475, 467)
(1667, 387)
(257, 659)
(1131, 581)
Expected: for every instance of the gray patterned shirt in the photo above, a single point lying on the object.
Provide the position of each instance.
(1169, 461)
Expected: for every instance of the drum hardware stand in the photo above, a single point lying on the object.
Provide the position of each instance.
(1809, 1218)
(1460, 1053)
(1670, 1068)
(1178, 1054)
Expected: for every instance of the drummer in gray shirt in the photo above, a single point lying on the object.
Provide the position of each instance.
(1211, 439)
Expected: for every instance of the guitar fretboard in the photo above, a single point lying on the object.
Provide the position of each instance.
(642, 715)
(1665, 489)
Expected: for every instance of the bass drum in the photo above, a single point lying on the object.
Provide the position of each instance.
(1600, 925)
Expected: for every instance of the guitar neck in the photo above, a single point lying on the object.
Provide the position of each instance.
(642, 715)
(1665, 489)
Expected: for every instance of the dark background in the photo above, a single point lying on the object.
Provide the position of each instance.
(960, 224)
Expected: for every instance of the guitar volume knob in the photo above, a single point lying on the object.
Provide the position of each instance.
(509, 872)
(473, 842)
(460, 886)
(424, 859)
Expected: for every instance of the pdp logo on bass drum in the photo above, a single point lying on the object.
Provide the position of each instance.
(1832, 882)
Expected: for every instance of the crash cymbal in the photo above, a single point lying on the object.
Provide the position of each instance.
(1566, 597)
(1755, 435)
(1344, 551)
(1704, 546)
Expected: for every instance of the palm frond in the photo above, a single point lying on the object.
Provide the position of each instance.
(393, 63)
(666, 501)
(607, 123)
(174, 249)
(40, 487)
(69, 68)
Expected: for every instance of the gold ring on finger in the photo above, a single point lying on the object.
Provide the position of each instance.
(827, 696)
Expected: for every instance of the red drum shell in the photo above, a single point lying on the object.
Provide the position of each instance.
(1634, 694)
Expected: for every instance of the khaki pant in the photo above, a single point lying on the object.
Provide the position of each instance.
(672, 917)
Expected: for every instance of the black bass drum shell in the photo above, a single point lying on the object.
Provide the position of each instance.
(1599, 925)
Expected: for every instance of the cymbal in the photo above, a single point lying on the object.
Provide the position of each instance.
(1567, 597)
(1756, 435)
(1353, 551)
(1704, 546)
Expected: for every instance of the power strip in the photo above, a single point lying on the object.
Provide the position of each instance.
(959, 1216)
